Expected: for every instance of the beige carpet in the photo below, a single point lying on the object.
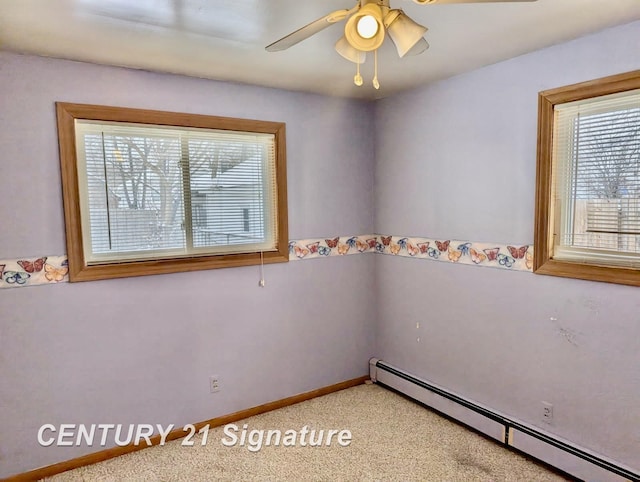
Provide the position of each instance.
(393, 439)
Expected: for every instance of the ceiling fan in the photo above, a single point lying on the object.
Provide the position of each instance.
(369, 22)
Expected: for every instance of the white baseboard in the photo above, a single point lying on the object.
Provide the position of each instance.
(548, 448)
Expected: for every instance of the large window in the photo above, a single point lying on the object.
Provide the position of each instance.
(588, 186)
(151, 192)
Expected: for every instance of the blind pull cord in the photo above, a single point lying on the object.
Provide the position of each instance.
(261, 282)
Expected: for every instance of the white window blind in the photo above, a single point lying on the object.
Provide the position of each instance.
(596, 165)
(151, 192)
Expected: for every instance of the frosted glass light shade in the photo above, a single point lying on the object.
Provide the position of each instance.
(404, 32)
(344, 48)
(418, 48)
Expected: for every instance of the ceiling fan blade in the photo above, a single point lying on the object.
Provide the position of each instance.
(443, 2)
(308, 30)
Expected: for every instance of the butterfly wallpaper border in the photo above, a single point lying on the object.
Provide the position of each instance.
(490, 255)
(335, 246)
(29, 271)
(18, 273)
(513, 258)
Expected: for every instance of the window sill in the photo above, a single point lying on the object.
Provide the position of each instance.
(607, 274)
(80, 271)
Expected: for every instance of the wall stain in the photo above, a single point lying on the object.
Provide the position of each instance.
(567, 333)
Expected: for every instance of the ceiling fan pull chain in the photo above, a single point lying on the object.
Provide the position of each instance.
(358, 78)
(376, 84)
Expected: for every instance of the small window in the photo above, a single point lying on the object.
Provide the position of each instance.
(150, 192)
(588, 183)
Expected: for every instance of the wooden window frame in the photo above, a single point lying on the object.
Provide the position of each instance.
(79, 270)
(544, 217)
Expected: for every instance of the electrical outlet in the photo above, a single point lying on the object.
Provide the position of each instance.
(547, 413)
(214, 383)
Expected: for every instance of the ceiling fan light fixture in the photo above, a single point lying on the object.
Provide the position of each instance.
(405, 33)
(344, 48)
(365, 29)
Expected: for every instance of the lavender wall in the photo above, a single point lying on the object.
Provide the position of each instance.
(453, 160)
(141, 350)
(456, 159)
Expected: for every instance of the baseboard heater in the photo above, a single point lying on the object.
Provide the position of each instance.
(534, 442)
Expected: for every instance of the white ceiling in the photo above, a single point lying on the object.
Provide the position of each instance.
(225, 39)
